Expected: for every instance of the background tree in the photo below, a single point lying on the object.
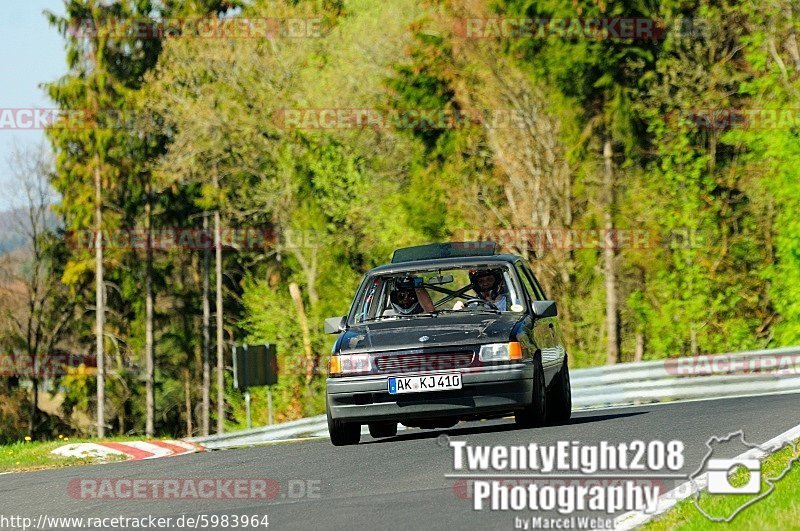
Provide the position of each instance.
(36, 327)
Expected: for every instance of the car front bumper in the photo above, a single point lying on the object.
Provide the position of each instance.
(484, 390)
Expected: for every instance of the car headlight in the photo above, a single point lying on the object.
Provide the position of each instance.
(500, 352)
(349, 364)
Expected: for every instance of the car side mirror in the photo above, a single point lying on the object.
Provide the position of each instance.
(545, 308)
(334, 325)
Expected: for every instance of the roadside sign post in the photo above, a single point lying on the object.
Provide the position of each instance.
(269, 406)
(253, 366)
(247, 409)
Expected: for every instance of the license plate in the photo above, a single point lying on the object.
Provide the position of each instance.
(420, 384)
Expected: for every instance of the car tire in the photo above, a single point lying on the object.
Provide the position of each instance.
(559, 397)
(383, 429)
(535, 414)
(343, 433)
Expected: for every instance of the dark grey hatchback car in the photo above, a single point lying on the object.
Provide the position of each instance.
(444, 333)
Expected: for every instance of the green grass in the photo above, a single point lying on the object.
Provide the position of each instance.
(36, 455)
(779, 510)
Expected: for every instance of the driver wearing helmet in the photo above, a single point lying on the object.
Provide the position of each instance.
(408, 300)
(489, 285)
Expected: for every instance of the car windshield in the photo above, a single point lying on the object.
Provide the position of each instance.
(423, 293)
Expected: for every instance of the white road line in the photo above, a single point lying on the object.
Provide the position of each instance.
(668, 500)
(684, 401)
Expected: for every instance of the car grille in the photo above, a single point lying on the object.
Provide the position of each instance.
(434, 361)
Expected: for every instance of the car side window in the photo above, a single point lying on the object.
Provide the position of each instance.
(526, 283)
(537, 288)
(369, 301)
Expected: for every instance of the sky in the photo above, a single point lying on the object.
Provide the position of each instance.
(33, 52)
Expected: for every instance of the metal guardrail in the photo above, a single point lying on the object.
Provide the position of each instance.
(709, 376)
(277, 432)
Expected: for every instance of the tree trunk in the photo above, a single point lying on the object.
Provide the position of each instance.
(187, 394)
(206, 421)
(220, 352)
(790, 43)
(609, 259)
(639, 353)
(100, 311)
(148, 334)
(294, 291)
(34, 417)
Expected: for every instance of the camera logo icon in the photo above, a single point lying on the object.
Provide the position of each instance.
(725, 476)
(720, 470)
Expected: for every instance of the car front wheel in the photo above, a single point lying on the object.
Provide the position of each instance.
(535, 414)
(343, 433)
(559, 397)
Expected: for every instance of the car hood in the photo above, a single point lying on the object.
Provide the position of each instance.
(444, 330)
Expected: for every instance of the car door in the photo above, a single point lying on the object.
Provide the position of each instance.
(546, 328)
(540, 335)
(559, 338)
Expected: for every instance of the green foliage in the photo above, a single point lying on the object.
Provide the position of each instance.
(720, 272)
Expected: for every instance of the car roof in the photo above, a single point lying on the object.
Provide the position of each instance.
(443, 263)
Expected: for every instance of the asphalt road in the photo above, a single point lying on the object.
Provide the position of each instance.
(394, 483)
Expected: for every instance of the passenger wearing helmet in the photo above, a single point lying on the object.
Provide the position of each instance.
(408, 300)
(488, 284)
